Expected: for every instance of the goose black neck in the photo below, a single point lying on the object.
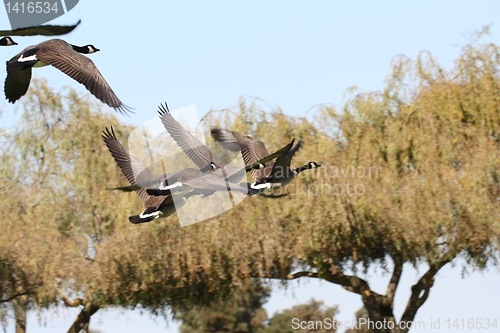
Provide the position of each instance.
(81, 49)
(304, 167)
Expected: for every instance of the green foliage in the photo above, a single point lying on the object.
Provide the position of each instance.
(53, 199)
(304, 318)
(240, 312)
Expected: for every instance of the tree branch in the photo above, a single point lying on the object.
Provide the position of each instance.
(348, 282)
(24, 292)
(69, 303)
(8, 299)
(82, 322)
(301, 274)
(393, 283)
(424, 284)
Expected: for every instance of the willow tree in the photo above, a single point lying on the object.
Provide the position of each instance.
(53, 200)
(66, 236)
(25, 244)
(410, 175)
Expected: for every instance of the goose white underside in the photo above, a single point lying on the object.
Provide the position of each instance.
(266, 186)
(30, 59)
(166, 210)
(261, 186)
(153, 215)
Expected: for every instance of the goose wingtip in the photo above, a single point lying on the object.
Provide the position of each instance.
(163, 109)
(124, 109)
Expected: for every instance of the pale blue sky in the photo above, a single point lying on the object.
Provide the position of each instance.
(292, 54)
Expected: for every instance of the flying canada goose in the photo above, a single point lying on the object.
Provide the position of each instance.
(251, 149)
(202, 181)
(7, 41)
(155, 206)
(157, 193)
(277, 174)
(202, 156)
(69, 60)
(186, 181)
(44, 30)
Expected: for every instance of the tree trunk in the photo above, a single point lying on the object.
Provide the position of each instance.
(380, 318)
(82, 322)
(379, 307)
(20, 304)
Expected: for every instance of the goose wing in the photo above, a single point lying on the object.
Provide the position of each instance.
(17, 82)
(44, 30)
(282, 165)
(61, 55)
(127, 164)
(149, 183)
(214, 183)
(191, 146)
(253, 151)
(154, 182)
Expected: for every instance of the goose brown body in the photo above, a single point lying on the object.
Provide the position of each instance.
(63, 56)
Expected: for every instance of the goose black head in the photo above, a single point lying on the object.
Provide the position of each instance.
(210, 167)
(87, 49)
(214, 166)
(92, 49)
(312, 165)
(7, 41)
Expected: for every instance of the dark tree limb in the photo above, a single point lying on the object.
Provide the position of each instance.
(417, 298)
(379, 307)
(10, 298)
(82, 322)
(394, 282)
(349, 282)
(20, 304)
(67, 301)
